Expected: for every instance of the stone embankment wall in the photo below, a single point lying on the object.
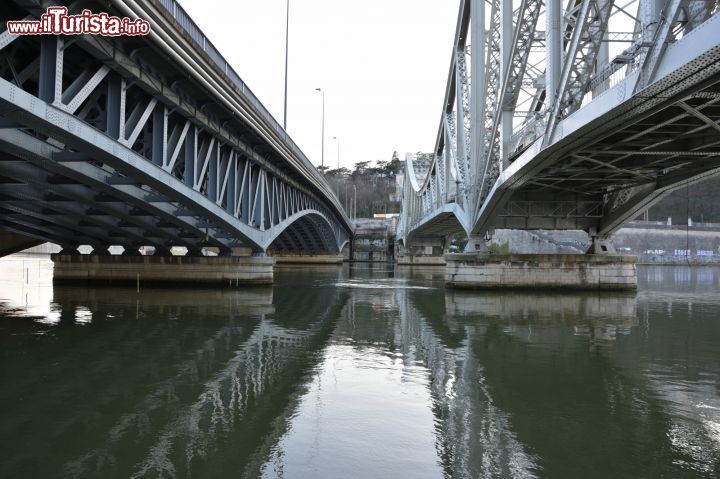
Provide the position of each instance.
(651, 243)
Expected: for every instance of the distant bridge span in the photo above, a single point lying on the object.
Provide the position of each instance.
(543, 130)
(151, 140)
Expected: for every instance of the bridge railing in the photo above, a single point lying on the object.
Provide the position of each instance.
(191, 28)
(605, 79)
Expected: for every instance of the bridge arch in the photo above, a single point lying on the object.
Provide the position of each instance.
(433, 203)
(309, 231)
(152, 141)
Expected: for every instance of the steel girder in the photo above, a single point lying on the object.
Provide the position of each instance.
(629, 149)
(588, 20)
(489, 155)
(663, 87)
(112, 123)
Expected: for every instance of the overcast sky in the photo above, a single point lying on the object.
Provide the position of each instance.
(382, 63)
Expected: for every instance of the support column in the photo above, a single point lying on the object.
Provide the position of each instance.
(230, 188)
(194, 252)
(554, 45)
(164, 252)
(190, 157)
(506, 36)
(649, 14)
(69, 249)
(159, 135)
(601, 245)
(131, 251)
(51, 68)
(476, 244)
(214, 160)
(477, 99)
(115, 107)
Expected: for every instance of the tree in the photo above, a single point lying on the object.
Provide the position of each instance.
(361, 167)
(322, 169)
(342, 171)
(395, 165)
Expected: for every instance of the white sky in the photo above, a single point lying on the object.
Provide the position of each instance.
(382, 63)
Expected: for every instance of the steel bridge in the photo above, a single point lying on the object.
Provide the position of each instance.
(148, 141)
(580, 126)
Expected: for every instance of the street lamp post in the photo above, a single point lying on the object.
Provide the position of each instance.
(322, 161)
(338, 150)
(337, 176)
(287, 31)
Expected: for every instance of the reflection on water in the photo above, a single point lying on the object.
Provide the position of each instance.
(26, 285)
(359, 371)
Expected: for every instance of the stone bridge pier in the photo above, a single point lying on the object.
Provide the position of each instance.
(545, 271)
(162, 268)
(422, 251)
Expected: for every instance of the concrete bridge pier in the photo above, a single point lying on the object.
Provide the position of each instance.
(606, 271)
(309, 259)
(422, 251)
(600, 268)
(190, 270)
(601, 245)
(477, 244)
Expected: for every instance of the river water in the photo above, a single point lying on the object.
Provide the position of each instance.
(358, 371)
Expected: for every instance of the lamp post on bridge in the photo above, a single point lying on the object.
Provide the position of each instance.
(287, 32)
(338, 150)
(337, 176)
(322, 160)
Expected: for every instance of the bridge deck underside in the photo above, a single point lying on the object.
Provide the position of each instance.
(148, 141)
(640, 160)
(679, 141)
(437, 225)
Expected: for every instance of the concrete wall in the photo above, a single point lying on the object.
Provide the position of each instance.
(588, 272)
(374, 240)
(651, 243)
(642, 240)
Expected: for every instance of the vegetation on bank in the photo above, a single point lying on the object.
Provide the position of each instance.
(367, 189)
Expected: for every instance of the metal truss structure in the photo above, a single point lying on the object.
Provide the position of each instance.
(580, 126)
(153, 141)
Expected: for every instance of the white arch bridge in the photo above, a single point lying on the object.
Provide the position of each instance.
(581, 125)
(148, 140)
